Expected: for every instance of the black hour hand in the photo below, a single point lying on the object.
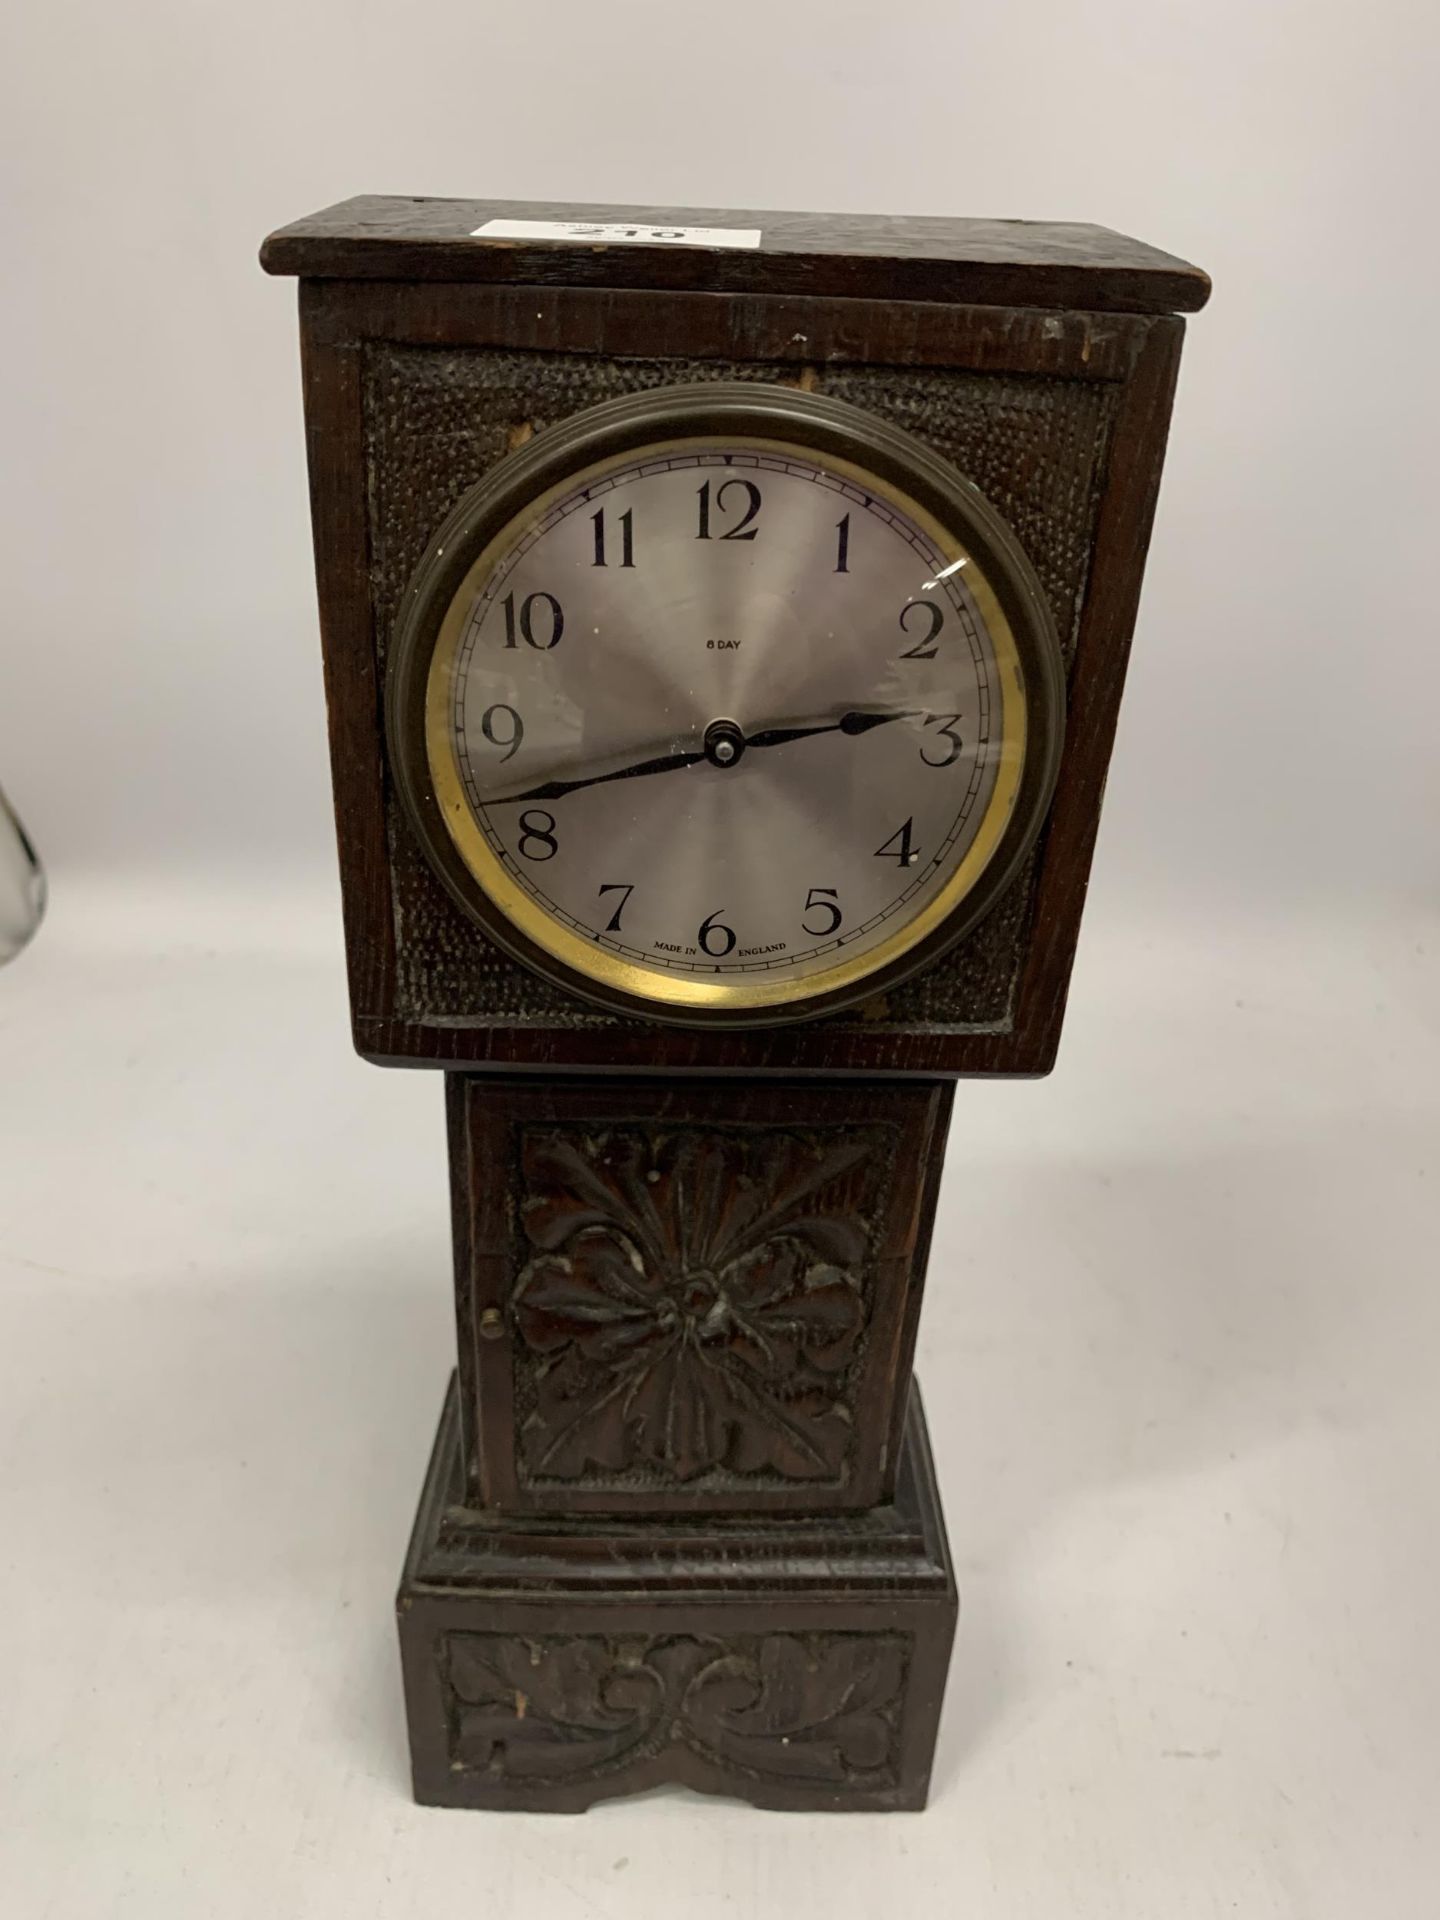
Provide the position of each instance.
(851, 723)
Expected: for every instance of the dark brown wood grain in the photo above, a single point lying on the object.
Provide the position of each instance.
(792, 1665)
(1097, 679)
(1008, 263)
(353, 694)
(670, 1293)
(786, 330)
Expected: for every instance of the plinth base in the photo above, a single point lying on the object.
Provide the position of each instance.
(797, 1664)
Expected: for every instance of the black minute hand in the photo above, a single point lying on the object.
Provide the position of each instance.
(556, 789)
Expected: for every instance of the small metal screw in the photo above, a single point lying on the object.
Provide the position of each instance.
(492, 1324)
(724, 751)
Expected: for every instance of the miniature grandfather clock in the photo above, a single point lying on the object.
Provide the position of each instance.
(724, 620)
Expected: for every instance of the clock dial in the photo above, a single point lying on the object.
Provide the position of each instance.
(725, 723)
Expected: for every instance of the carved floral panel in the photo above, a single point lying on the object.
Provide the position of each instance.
(694, 1304)
(801, 1707)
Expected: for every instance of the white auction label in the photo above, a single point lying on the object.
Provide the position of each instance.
(621, 233)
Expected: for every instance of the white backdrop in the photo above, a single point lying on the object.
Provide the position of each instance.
(161, 693)
(1181, 1322)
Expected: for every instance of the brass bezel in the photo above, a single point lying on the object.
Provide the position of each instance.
(859, 448)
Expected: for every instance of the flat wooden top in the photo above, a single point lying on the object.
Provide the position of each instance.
(1025, 263)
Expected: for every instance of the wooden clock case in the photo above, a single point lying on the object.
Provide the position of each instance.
(688, 1530)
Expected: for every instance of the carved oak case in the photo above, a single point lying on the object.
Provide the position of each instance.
(680, 1523)
(704, 1305)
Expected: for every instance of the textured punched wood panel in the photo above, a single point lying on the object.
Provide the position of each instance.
(436, 421)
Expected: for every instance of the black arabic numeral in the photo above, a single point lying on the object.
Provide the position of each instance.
(526, 621)
(924, 648)
(627, 537)
(742, 530)
(823, 900)
(714, 924)
(510, 739)
(842, 563)
(543, 834)
(946, 724)
(907, 853)
(612, 925)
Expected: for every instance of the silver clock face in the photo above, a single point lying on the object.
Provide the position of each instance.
(723, 723)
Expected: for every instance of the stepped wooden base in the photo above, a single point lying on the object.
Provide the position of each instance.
(794, 1663)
